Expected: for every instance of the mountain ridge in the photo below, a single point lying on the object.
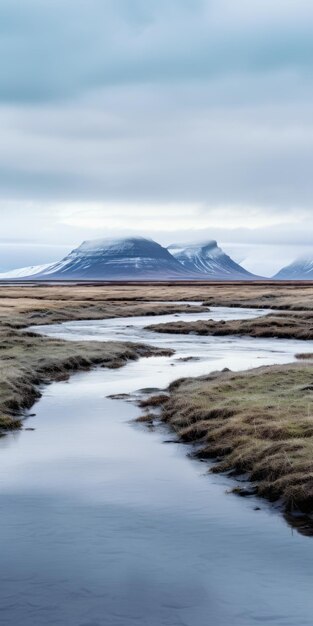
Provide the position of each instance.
(300, 269)
(119, 259)
(138, 258)
(210, 259)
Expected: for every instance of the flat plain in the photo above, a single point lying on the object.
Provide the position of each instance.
(257, 422)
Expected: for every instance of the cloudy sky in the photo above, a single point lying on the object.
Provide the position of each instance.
(178, 119)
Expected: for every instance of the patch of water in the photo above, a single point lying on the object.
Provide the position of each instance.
(102, 525)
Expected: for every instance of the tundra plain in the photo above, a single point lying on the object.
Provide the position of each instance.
(258, 423)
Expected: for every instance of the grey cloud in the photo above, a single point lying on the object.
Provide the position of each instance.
(63, 49)
(142, 144)
(156, 101)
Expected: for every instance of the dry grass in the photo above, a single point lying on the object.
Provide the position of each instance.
(283, 326)
(22, 309)
(292, 296)
(28, 360)
(258, 423)
(154, 401)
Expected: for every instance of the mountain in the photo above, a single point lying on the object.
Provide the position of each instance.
(210, 261)
(133, 258)
(21, 272)
(136, 258)
(300, 269)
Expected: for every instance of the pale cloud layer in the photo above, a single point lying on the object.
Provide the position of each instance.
(180, 119)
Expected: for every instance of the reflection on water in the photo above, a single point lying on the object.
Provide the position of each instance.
(102, 525)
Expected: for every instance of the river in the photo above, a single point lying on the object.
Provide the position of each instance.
(103, 524)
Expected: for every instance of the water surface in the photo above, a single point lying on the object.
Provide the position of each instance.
(103, 524)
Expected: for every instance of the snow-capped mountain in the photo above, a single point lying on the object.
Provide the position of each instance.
(136, 258)
(210, 261)
(300, 269)
(133, 258)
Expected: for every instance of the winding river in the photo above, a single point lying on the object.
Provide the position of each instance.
(102, 524)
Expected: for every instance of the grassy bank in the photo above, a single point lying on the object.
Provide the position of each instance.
(28, 361)
(275, 296)
(29, 306)
(258, 424)
(282, 326)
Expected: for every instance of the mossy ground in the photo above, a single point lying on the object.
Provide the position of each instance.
(28, 360)
(258, 423)
(285, 325)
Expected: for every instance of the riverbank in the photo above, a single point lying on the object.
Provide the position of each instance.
(285, 325)
(88, 495)
(95, 494)
(28, 361)
(280, 296)
(256, 424)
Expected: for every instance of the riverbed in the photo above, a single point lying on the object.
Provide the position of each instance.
(102, 523)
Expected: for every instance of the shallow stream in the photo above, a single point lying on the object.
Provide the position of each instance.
(103, 524)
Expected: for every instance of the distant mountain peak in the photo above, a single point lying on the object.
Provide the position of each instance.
(128, 258)
(300, 269)
(210, 260)
(139, 258)
(109, 242)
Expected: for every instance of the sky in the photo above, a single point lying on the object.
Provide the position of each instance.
(181, 120)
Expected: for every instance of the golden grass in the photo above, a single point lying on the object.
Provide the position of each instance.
(258, 423)
(25, 359)
(289, 325)
(28, 360)
(22, 312)
(296, 296)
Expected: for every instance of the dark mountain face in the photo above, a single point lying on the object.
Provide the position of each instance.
(301, 269)
(122, 259)
(136, 258)
(210, 261)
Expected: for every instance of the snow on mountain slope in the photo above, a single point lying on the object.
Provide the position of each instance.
(21, 272)
(136, 258)
(300, 269)
(209, 260)
(117, 259)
